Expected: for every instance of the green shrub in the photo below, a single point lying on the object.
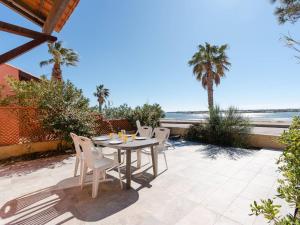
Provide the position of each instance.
(122, 112)
(289, 184)
(62, 107)
(147, 114)
(229, 129)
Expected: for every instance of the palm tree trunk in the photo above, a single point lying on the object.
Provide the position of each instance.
(100, 107)
(56, 72)
(210, 93)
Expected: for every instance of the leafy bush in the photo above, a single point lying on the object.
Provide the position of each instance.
(289, 184)
(122, 112)
(147, 114)
(229, 129)
(62, 107)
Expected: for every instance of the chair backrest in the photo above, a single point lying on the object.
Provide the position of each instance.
(145, 131)
(138, 124)
(76, 142)
(89, 151)
(161, 134)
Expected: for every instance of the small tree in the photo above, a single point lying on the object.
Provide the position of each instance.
(209, 65)
(288, 10)
(60, 57)
(62, 107)
(147, 114)
(289, 185)
(102, 94)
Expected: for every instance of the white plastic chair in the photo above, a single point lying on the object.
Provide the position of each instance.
(138, 124)
(79, 154)
(162, 135)
(96, 161)
(143, 131)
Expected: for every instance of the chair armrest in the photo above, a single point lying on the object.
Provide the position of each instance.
(109, 154)
(116, 158)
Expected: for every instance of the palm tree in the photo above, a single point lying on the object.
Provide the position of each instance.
(209, 64)
(102, 94)
(60, 56)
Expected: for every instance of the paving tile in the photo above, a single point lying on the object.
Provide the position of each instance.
(172, 211)
(219, 201)
(233, 186)
(239, 211)
(225, 221)
(199, 216)
(196, 189)
(265, 180)
(200, 191)
(245, 175)
(255, 191)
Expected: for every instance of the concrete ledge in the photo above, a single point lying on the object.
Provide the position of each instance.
(23, 149)
(258, 138)
(264, 141)
(275, 124)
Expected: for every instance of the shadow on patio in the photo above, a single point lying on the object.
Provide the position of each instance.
(22, 167)
(213, 152)
(45, 205)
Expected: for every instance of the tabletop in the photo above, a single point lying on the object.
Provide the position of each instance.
(130, 144)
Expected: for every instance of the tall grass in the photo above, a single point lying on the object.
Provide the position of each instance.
(224, 129)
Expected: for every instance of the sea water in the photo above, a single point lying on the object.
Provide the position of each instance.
(263, 116)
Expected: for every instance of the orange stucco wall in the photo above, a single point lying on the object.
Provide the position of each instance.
(5, 71)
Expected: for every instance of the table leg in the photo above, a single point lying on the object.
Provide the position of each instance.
(139, 158)
(119, 155)
(154, 161)
(128, 169)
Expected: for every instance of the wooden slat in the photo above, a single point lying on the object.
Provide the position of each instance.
(10, 28)
(21, 50)
(38, 11)
(55, 14)
(24, 10)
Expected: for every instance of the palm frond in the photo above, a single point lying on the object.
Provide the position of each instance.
(210, 60)
(46, 62)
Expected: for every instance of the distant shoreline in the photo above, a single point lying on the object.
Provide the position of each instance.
(242, 111)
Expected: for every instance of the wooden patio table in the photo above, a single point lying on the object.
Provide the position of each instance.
(130, 146)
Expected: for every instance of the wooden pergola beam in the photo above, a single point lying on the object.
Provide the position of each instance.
(38, 38)
(10, 28)
(55, 14)
(23, 9)
(21, 50)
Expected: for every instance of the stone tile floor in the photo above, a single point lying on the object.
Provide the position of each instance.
(202, 185)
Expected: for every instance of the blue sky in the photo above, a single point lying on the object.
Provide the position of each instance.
(139, 50)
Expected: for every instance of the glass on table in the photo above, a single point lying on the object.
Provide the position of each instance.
(111, 135)
(125, 139)
(133, 136)
(120, 134)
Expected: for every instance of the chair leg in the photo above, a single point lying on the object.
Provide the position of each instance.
(156, 158)
(76, 166)
(121, 184)
(149, 158)
(124, 157)
(84, 171)
(139, 158)
(95, 186)
(80, 170)
(165, 159)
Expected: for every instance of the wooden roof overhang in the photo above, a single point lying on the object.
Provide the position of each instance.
(51, 15)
